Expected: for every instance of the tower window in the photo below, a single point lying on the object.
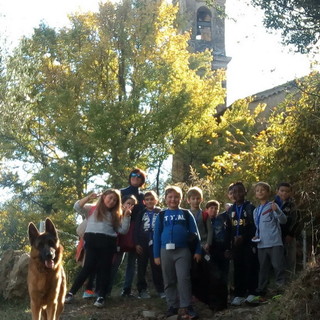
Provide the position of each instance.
(204, 24)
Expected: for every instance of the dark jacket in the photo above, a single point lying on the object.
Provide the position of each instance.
(139, 195)
(219, 233)
(142, 231)
(242, 225)
(289, 209)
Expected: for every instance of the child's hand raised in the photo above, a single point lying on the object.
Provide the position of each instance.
(127, 209)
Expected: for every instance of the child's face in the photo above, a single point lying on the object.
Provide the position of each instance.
(195, 201)
(238, 193)
(230, 195)
(173, 200)
(261, 193)
(284, 193)
(128, 203)
(110, 200)
(212, 211)
(150, 202)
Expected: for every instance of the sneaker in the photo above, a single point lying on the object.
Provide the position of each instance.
(252, 299)
(172, 311)
(277, 297)
(99, 303)
(238, 301)
(127, 294)
(144, 295)
(191, 313)
(183, 314)
(89, 294)
(69, 297)
(162, 295)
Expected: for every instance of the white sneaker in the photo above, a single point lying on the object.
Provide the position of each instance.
(68, 298)
(99, 303)
(238, 301)
(252, 299)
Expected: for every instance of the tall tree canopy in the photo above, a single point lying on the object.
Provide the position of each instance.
(298, 20)
(117, 89)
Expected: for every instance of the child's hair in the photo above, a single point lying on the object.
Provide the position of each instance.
(142, 174)
(129, 197)
(284, 184)
(170, 189)
(238, 184)
(264, 185)
(230, 187)
(151, 193)
(213, 203)
(116, 211)
(193, 192)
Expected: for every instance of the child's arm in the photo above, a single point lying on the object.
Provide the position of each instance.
(82, 207)
(210, 232)
(282, 218)
(157, 240)
(194, 229)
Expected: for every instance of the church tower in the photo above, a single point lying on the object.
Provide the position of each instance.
(208, 28)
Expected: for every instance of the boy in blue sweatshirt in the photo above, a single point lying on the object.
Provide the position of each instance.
(171, 233)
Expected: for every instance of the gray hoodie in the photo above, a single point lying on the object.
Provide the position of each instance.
(268, 227)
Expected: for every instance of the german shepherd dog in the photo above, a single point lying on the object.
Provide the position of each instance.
(46, 277)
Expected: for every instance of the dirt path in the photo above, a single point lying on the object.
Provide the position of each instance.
(119, 308)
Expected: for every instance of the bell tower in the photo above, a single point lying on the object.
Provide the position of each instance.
(208, 28)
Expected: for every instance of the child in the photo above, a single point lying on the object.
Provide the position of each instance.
(143, 238)
(173, 225)
(285, 202)
(194, 199)
(100, 240)
(127, 201)
(268, 217)
(137, 178)
(245, 260)
(219, 243)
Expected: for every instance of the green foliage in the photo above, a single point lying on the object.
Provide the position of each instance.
(298, 20)
(99, 98)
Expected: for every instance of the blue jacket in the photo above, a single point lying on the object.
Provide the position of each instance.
(174, 229)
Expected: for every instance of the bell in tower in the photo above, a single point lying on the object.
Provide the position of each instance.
(208, 28)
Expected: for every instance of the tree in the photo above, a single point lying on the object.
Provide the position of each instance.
(298, 20)
(100, 97)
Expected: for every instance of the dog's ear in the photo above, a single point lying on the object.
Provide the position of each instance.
(33, 233)
(50, 228)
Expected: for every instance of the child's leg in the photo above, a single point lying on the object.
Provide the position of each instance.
(169, 277)
(116, 262)
(277, 260)
(130, 270)
(105, 266)
(182, 267)
(239, 272)
(156, 272)
(142, 263)
(291, 256)
(264, 261)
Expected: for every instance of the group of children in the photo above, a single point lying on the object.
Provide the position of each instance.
(189, 248)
